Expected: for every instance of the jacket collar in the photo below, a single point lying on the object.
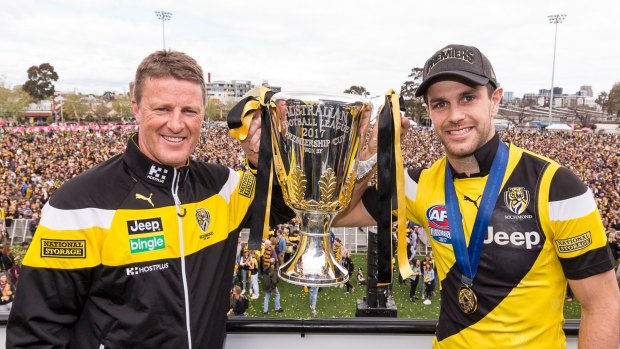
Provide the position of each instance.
(148, 170)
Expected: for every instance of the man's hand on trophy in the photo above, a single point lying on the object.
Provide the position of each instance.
(251, 144)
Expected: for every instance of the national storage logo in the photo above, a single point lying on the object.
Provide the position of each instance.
(63, 248)
(152, 243)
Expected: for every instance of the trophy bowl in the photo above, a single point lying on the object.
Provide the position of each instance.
(315, 138)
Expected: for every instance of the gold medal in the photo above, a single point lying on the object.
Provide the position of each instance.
(467, 299)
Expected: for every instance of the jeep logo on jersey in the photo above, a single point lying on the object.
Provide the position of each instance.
(517, 199)
(203, 217)
(157, 174)
(528, 239)
(438, 223)
(149, 244)
(141, 226)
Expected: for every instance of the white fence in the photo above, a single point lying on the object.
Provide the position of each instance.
(16, 230)
(355, 239)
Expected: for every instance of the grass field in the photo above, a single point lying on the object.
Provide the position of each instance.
(334, 303)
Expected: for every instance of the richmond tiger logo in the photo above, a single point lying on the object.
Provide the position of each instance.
(517, 199)
(203, 217)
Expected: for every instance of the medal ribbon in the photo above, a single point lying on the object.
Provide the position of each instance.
(467, 257)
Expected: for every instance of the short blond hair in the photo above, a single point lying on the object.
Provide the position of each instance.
(168, 64)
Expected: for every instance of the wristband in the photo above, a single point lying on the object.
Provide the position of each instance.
(365, 166)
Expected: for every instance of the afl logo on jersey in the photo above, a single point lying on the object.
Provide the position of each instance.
(438, 223)
(517, 199)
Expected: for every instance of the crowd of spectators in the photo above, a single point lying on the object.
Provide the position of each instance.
(33, 165)
(594, 158)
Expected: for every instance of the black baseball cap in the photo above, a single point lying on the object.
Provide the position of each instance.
(460, 60)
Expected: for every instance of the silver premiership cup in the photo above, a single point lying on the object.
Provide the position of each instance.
(315, 138)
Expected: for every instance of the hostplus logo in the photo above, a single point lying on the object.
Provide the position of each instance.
(157, 174)
(146, 269)
(152, 243)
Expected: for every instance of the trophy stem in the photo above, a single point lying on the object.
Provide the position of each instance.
(314, 263)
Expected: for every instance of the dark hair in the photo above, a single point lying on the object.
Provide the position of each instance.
(168, 64)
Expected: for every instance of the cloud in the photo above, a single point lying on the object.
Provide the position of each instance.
(319, 45)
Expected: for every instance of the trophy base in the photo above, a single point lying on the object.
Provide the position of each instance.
(314, 263)
(363, 310)
(312, 280)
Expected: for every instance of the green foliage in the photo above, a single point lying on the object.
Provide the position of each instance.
(101, 112)
(601, 100)
(413, 105)
(13, 102)
(122, 106)
(40, 81)
(213, 109)
(613, 100)
(357, 90)
(216, 110)
(610, 101)
(74, 107)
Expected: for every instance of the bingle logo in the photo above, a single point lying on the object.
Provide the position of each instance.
(157, 174)
(149, 244)
(438, 223)
(141, 226)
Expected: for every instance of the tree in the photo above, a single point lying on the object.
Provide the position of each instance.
(101, 112)
(13, 102)
(40, 81)
(583, 117)
(73, 105)
(212, 109)
(413, 105)
(613, 100)
(601, 100)
(122, 106)
(357, 90)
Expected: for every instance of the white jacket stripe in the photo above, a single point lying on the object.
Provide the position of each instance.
(230, 185)
(572, 208)
(78, 219)
(411, 187)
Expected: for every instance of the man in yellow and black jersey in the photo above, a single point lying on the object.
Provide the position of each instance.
(542, 225)
(138, 251)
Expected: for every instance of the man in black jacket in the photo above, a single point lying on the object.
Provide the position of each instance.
(138, 251)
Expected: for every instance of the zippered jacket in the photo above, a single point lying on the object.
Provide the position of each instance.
(135, 254)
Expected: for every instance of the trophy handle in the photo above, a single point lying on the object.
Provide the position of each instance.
(314, 263)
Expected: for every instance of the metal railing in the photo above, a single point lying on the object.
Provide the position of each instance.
(16, 230)
(355, 239)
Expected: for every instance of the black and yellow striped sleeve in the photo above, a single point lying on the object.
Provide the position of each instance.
(578, 233)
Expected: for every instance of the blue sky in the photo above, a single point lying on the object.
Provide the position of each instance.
(311, 45)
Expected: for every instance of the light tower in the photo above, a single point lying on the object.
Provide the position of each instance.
(554, 19)
(163, 16)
